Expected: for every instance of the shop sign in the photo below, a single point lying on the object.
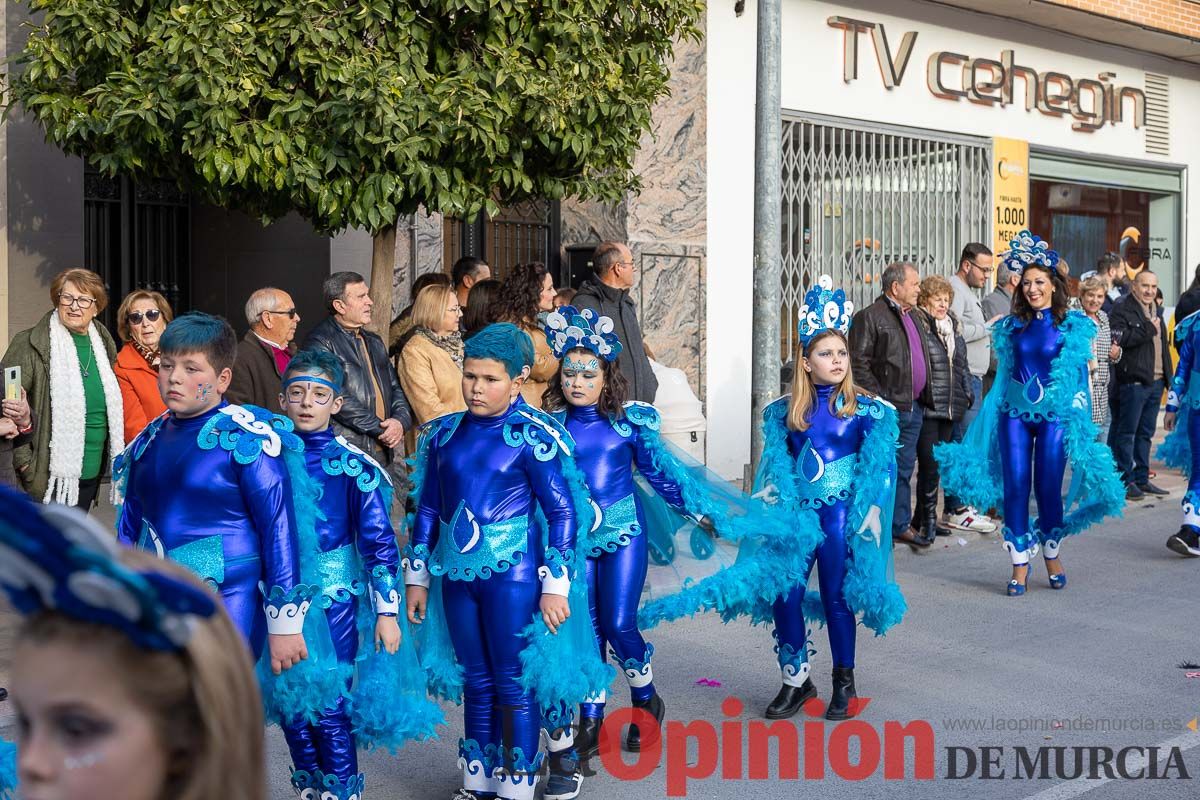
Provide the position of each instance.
(1089, 102)
(1010, 188)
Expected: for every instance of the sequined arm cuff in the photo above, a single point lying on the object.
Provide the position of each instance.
(383, 591)
(287, 608)
(416, 565)
(557, 571)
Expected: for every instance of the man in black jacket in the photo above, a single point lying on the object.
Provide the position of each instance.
(1145, 364)
(608, 294)
(375, 413)
(889, 360)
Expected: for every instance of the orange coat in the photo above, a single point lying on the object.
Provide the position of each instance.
(139, 390)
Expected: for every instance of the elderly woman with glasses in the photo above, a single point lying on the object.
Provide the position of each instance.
(66, 363)
(141, 319)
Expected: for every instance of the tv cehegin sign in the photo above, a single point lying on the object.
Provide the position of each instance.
(988, 82)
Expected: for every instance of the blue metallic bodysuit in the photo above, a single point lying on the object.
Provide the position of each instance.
(357, 560)
(1182, 447)
(1030, 433)
(213, 493)
(607, 450)
(484, 481)
(825, 457)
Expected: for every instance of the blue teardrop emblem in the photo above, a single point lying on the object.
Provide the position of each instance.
(810, 463)
(466, 530)
(1034, 391)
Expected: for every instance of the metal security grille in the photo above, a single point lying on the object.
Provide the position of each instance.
(858, 197)
(520, 233)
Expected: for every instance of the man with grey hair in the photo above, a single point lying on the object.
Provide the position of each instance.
(375, 411)
(889, 360)
(264, 352)
(607, 292)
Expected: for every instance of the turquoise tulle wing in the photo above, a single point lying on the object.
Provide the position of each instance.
(1176, 449)
(772, 541)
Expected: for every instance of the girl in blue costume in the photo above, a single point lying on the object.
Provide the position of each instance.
(1035, 421)
(1181, 448)
(354, 555)
(829, 459)
(482, 477)
(611, 438)
(210, 485)
(128, 680)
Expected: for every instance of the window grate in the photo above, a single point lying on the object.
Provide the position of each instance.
(858, 197)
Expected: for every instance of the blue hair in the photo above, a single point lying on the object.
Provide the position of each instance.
(503, 342)
(197, 332)
(320, 362)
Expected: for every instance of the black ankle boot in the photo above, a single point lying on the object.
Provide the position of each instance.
(843, 694)
(790, 700)
(930, 530)
(587, 738)
(657, 708)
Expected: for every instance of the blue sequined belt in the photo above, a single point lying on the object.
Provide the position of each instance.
(340, 575)
(618, 527)
(468, 551)
(1027, 400)
(822, 484)
(205, 557)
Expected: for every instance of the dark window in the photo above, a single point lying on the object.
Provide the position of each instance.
(138, 236)
(520, 233)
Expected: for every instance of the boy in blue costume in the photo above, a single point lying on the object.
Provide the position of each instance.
(354, 554)
(482, 477)
(1182, 446)
(207, 485)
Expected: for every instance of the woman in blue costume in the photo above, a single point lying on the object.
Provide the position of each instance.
(210, 485)
(1182, 446)
(1035, 421)
(354, 560)
(611, 438)
(829, 459)
(483, 476)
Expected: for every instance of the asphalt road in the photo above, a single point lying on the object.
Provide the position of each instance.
(1093, 666)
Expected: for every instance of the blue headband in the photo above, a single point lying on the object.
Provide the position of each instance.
(314, 379)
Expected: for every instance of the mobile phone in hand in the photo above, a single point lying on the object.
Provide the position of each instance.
(12, 383)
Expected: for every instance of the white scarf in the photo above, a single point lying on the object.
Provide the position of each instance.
(945, 329)
(68, 411)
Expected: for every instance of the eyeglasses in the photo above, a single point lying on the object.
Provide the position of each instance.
(291, 313)
(84, 303)
(984, 270)
(135, 317)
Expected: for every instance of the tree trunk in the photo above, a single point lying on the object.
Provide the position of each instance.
(383, 264)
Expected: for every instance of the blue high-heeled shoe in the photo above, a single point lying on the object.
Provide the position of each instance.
(1058, 581)
(1017, 588)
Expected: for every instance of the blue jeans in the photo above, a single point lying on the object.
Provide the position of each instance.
(1133, 428)
(906, 458)
(972, 412)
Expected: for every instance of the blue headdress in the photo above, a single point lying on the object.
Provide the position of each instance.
(1029, 250)
(824, 309)
(568, 328)
(56, 558)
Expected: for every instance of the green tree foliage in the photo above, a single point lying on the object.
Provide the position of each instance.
(352, 112)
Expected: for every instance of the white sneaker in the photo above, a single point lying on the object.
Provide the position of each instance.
(969, 520)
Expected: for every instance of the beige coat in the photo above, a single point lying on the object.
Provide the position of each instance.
(545, 367)
(430, 379)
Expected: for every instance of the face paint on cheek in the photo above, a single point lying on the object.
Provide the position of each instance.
(203, 392)
(82, 762)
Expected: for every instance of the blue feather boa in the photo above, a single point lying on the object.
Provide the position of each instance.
(8, 770)
(971, 468)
